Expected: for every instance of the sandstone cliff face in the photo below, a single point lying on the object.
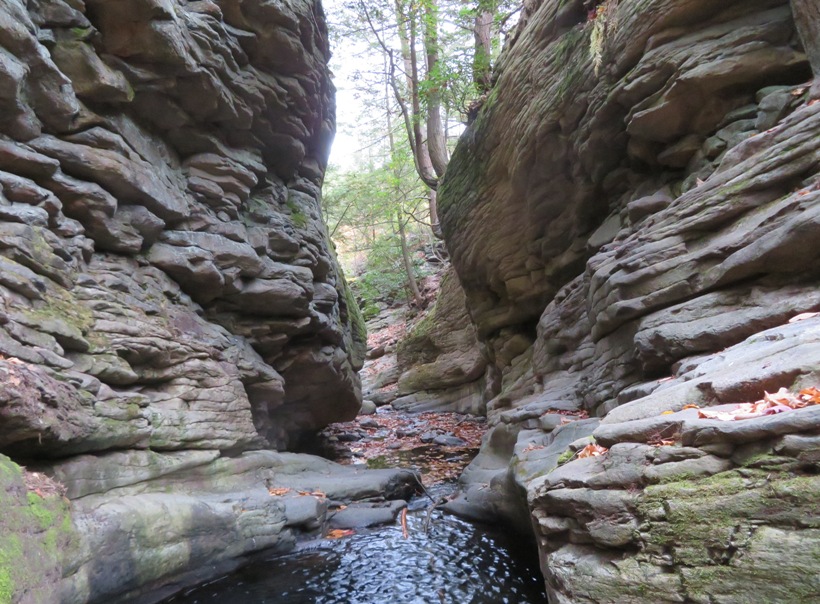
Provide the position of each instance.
(440, 362)
(641, 191)
(168, 294)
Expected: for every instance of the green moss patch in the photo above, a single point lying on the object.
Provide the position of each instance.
(706, 522)
(36, 536)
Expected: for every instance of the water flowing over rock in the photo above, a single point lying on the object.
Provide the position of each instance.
(170, 303)
(634, 216)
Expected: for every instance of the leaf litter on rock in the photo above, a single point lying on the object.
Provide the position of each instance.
(771, 404)
(781, 401)
(592, 450)
(393, 439)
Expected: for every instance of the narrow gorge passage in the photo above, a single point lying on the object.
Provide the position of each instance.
(429, 556)
(579, 236)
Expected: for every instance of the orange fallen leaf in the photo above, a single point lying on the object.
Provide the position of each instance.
(311, 494)
(339, 533)
(771, 404)
(691, 406)
(278, 491)
(810, 395)
(404, 523)
(592, 450)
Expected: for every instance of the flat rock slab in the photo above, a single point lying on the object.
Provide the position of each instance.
(363, 515)
(693, 431)
(342, 483)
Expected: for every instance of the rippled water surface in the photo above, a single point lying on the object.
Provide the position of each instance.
(455, 562)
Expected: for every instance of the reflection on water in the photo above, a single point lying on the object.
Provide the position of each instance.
(454, 563)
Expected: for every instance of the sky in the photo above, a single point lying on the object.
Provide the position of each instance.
(346, 143)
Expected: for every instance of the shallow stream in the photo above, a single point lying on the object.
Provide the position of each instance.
(442, 560)
(453, 562)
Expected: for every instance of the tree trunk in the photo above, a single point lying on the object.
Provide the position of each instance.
(436, 144)
(482, 57)
(405, 253)
(406, 27)
(434, 223)
(807, 21)
(408, 264)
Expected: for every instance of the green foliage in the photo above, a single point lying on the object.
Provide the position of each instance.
(297, 217)
(565, 457)
(382, 277)
(379, 462)
(39, 509)
(363, 207)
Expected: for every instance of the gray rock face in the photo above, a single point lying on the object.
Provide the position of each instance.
(440, 361)
(634, 216)
(168, 294)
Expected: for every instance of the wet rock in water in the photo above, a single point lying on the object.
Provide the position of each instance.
(428, 437)
(369, 423)
(347, 437)
(448, 440)
(363, 515)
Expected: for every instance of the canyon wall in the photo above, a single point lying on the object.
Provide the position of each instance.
(634, 215)
(170, 304)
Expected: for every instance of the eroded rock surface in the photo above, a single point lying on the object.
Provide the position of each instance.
(440, 362)
(639, 200)
(169, 300)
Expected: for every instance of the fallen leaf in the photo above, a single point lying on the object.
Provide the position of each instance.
(339, 533)
(667, 413)
(592, 450)
(804, 315)
(691, 406)
(532, 447)
(319, 494)
(404, 523)
(810, 395)
(772, 403)
(279, 491)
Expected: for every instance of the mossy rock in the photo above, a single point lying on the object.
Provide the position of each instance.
(738, 532)
(36, 536)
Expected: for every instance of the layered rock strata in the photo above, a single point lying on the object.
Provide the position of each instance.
(169, 300)
(440, 363)
(639, 200)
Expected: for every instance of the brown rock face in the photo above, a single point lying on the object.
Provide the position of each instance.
(167, 288)
(640, 191)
